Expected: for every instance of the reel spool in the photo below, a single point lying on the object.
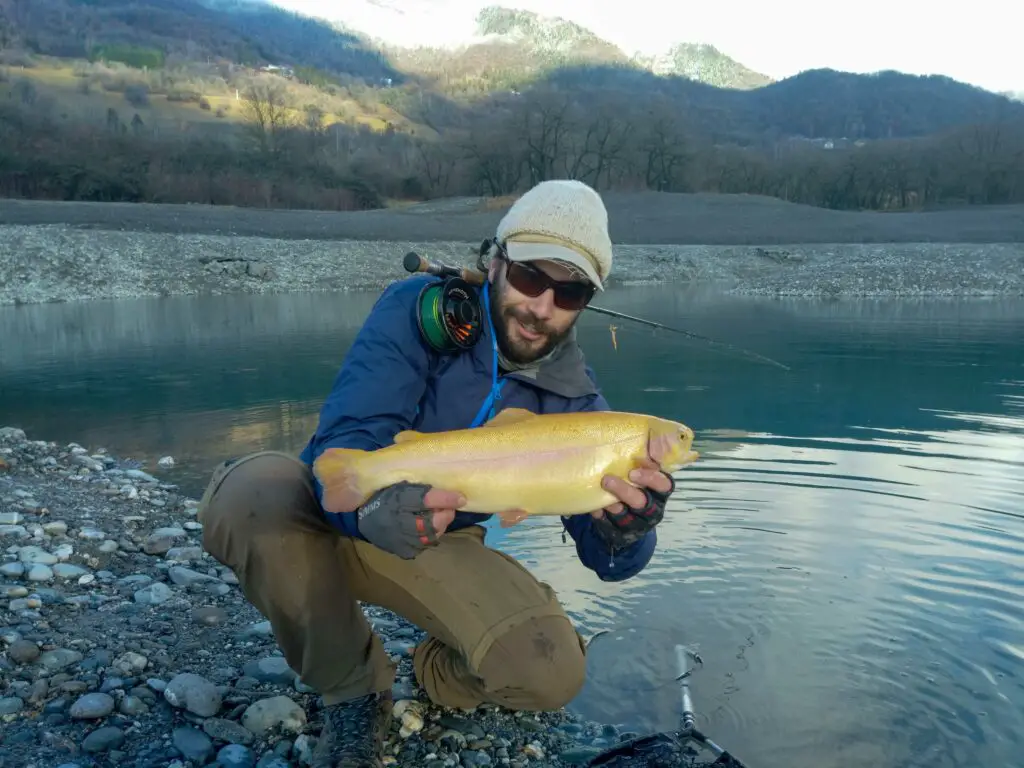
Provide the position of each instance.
(449, 316)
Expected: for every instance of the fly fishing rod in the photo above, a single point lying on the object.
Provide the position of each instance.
(414, 263)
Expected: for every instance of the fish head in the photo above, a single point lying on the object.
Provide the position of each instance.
(670, 444)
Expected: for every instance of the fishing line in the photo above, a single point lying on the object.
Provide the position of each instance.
(414, 263)
(719, 345)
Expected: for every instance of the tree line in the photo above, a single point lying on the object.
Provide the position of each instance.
(511, 142)
(287, 155)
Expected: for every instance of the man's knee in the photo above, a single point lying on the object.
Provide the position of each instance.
(257, 495)
(538, 665)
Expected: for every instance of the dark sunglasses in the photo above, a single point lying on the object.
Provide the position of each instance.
(570, 295)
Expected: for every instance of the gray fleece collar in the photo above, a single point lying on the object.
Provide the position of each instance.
(562, 372)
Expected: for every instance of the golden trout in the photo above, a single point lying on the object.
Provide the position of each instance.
(518, 464)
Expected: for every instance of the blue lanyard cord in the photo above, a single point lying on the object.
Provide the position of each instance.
(487, 409)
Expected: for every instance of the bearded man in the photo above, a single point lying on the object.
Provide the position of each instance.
(495, 634)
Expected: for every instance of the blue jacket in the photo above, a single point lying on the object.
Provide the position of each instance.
(391, 380)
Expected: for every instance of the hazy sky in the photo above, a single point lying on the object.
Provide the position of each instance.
(973, 42)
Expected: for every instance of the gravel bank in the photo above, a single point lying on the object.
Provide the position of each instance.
(635, 218)
(61, 262)
(125, 644)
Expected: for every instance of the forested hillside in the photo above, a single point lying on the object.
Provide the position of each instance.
(236, 101)
(154, 32)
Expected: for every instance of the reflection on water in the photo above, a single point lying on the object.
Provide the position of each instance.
(845, 558)
(198, 379)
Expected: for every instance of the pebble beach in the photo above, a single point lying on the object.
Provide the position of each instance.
(739, 244)
(124, 643)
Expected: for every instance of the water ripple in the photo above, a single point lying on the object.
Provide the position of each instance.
(928, 581)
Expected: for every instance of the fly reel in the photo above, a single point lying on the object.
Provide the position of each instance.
(449, 315)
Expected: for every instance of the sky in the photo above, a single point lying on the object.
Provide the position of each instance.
(973, 43)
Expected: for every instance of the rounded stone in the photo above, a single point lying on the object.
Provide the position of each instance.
(92, 706)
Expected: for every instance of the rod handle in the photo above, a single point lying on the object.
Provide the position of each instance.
(413, 262)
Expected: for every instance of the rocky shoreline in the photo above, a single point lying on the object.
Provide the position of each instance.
(59, 263)
(124, 643)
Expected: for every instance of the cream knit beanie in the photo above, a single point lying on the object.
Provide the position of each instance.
(560, 220)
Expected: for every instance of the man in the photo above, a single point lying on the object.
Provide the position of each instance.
(495, 634)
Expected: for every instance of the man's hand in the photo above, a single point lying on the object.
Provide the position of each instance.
(639, 509)
(405, 518)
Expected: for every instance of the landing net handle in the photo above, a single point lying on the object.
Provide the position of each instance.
(689, 731)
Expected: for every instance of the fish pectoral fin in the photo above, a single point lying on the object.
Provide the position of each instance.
(510, 416)
(510, 517)
(408, 435)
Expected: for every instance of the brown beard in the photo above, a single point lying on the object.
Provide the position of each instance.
(500, 316)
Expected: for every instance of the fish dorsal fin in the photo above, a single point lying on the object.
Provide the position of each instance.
(408, 435)
(510, 416)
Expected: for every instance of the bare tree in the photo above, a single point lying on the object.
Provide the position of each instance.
(663, 149)
(437, 163)
(544, 124)
(491, 146)
(265, 105)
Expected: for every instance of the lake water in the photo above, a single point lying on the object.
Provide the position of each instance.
(847, 557)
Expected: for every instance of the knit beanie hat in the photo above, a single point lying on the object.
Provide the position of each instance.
(560, 220)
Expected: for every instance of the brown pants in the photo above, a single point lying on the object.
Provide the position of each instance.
(495, 634)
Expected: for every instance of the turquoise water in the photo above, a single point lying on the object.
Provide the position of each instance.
(847, 557)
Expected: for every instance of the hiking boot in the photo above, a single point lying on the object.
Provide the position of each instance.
(353, 732)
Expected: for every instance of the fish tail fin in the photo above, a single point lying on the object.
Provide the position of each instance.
(339, 471)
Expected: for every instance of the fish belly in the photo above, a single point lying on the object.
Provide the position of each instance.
(554, 479)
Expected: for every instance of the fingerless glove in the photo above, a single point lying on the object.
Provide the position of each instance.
(623, 530)
(396, 520)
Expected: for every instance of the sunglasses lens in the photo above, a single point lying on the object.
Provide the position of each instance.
(526, 280)
(572, 298)
(532, 282)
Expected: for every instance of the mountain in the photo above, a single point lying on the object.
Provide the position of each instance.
(827, 103)
(704, 63)
(158, 31)
(552, 36)
(508, 50)
(511, 47)
(511, 50)
(245, 103)
(816, 104)
(516, 49)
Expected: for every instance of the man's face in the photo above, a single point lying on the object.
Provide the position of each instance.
(528, 328)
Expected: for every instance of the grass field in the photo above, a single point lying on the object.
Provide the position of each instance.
(73, 90)
(62, 90)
